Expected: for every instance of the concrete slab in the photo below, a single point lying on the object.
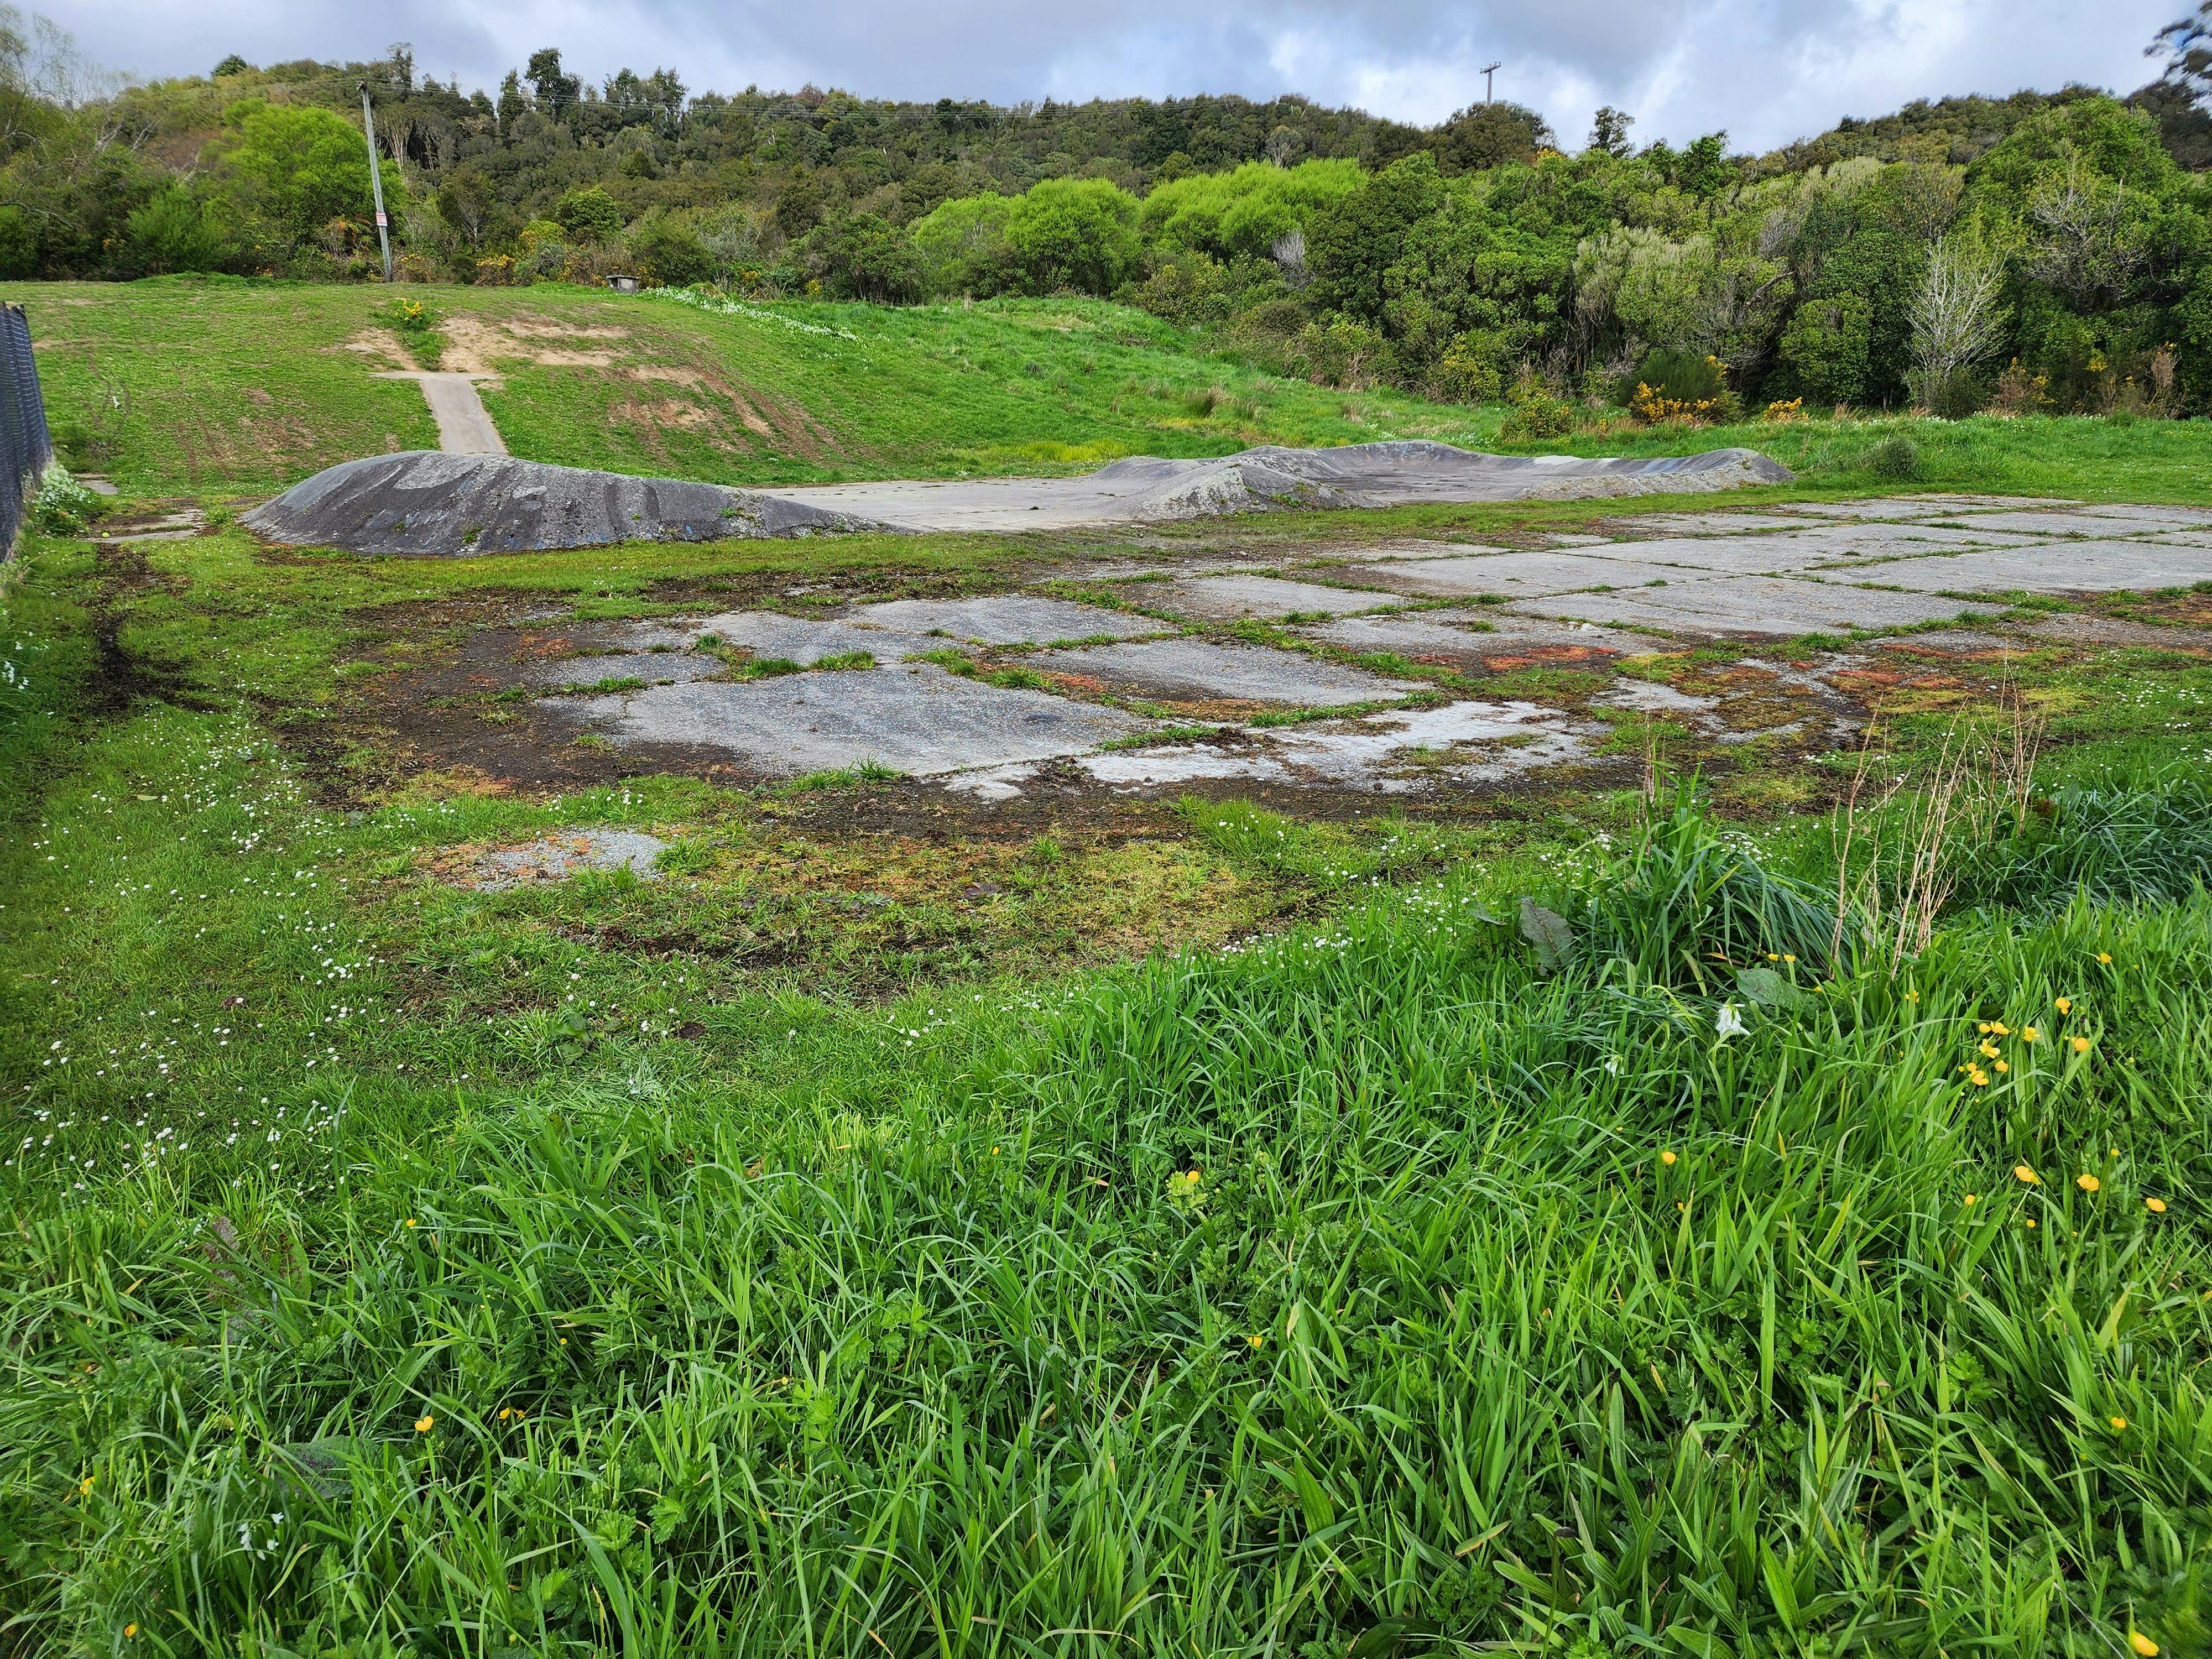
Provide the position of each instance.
(2154, 518)
(1679, 557)
(2052, 567)
(1231, 598)
(1005, 619)
(651, 666)
(912, 717)
(1844, 544)
(1777, 605)
(464, 427)
(1522, 575)
(1430, 636)
(1699, 524)
(805, 640)
(2043, 523)
(1186, 669)
(1917, 507)
(556, 858)
(1397, 752)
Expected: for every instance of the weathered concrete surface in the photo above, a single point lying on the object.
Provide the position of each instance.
(556, 858)
(1232, 599)
(1452, 640)
(1007, 619)
(651, 666)
(1357, 475)
(1182, 669)
(914, 717)
(1395, 752)
(1917, 507)
(1525, 575)
(422, 501)
(465, 426)
(769, 635)
(1748, 604)
(2051, 568)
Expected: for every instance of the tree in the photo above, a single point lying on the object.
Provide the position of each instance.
(1352, 242)
(558, 93)
(1485, 135)
(232, 64)
(863, 257)
(1075, 233)
(300, 168)
(589, 216)
(1609, 132)
(668, 250)
(513, 102)
(1956, 320)
(468, 201)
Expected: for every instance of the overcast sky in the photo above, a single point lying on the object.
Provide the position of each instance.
(1768, 70)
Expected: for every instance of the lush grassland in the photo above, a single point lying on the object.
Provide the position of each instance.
(1179, 1229)
(226, 390)
(861, 1241)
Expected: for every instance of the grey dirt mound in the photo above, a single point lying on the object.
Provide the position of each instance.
(428, 502)
(423, 501)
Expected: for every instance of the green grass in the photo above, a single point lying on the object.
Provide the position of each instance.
(1198, 1230)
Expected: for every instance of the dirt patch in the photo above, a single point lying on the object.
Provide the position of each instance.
(473, 348)
(381, 346)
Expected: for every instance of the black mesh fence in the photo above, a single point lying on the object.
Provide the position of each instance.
(25, 446)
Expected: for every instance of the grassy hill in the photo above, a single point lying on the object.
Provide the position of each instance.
(226, 390)
(211, 387)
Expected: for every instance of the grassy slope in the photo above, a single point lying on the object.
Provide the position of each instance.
(230, 390)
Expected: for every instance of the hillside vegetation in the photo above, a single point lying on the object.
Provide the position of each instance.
(2031, 253)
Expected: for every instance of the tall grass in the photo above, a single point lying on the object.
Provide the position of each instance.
(1366, 1289)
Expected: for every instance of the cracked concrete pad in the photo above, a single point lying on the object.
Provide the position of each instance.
(1701, 524)
(1429, 636)
(1396, 752)
(1232, 599)
(2153, 518)
(1852, 543)
(1188, 669)
(1651, 697)
(556, 858)
(1521, 574)
(2051, 568)
(651, 666)
(2043, 524)
(1005, 619)
(806, 641)
(1747, 556)
(1387, 550)
(1748, 604)
(912, 717)
(1918, 507)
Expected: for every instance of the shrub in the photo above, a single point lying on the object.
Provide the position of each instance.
(2020, 391)
(1895, 458)
(1781, 412)
(668, 251)
(1681, 385)
(62, 507)
(1538, 415)
(1469, 371)
(589, 216)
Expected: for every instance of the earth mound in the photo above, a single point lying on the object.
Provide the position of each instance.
(427, 503)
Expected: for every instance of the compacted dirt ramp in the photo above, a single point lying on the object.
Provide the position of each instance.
(427, 503)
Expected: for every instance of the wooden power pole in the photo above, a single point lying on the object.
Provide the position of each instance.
(376, 181)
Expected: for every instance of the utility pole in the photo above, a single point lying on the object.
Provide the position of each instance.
(376, 181)
(1489, 73)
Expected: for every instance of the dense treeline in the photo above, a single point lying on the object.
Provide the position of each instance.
(2038, 251)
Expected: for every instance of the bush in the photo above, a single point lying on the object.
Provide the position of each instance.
(669, 252)
(1896, 457)
(1538, 415)
(1469, 371)
(1341, 353)
(589, 216)
(1682, 386)
(62, 507)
